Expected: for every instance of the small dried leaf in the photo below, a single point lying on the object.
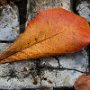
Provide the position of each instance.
(83, 83)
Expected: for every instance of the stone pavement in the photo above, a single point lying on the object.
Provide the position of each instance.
(56, 71)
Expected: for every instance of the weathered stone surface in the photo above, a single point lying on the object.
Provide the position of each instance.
(77, 61)
(9, 25)
(53, 71)
(83, 8)
(4, 46)
(57, 78)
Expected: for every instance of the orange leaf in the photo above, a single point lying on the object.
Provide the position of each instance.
(52, 32)
(83, 83)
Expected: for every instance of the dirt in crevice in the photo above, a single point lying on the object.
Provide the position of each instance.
(22, 7)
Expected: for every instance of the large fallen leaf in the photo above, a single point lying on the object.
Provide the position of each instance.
(51, 32)
(83, 83)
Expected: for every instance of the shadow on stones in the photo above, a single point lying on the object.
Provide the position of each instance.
(22, 6)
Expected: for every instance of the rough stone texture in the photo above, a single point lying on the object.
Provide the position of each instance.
(9, 25)
(4, 46)
(58, 78)
(83, 9)
(53, 71)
